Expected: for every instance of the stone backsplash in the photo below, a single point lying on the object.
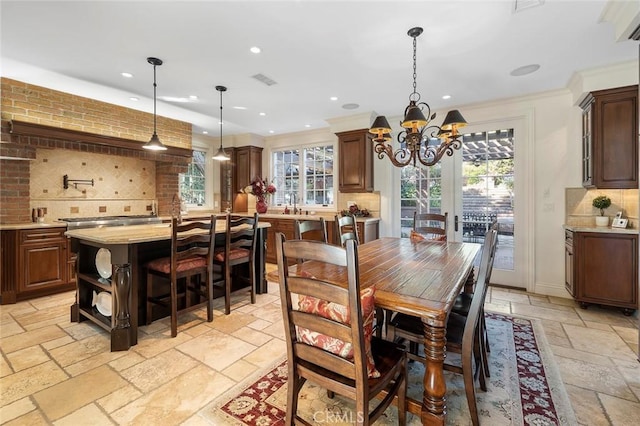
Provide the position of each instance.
(580, 212)
(122, 186)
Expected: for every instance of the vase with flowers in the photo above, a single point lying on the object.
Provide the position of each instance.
(262, 190)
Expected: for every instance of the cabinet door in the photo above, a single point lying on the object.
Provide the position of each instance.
(607, 268)
(248, 166)
(227, 181)
(587, 146)
(610, 138)
(43, 260)
(568, 269)
(356, 161)
(270, 249)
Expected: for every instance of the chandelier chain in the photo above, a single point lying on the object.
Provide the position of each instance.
(415, 73)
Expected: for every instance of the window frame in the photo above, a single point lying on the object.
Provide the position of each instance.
(208, 176)
(302, 190)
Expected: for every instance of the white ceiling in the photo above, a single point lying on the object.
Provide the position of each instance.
(358, 51)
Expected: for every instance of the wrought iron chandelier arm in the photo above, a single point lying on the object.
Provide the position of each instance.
(433, 154)
(399, 158)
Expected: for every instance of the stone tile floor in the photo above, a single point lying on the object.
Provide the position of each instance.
(53, 371)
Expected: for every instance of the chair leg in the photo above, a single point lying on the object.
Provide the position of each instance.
(252, 282)
(469, 387)
(402, 396)
(149, 293)
(294, 385)
(209, 294)
(174, 308)
(227, 289)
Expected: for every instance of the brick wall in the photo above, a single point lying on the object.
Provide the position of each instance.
(35, 104)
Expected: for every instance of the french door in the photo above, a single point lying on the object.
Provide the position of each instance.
(485, 184)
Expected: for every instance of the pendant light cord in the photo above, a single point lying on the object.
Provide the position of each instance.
(221, 119)
(154, 98)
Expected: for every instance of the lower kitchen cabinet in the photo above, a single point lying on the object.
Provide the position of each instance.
(367, 231)
(35, 262)
(603, 269)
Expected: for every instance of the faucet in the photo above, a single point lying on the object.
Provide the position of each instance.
(295, 209)
(176, 200)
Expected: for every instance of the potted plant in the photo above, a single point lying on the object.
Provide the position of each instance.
(602, 202)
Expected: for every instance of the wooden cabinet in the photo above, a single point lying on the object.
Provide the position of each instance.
(569, 267)
(35, 262)
(227, 181)
(245, 164)
(610, 138)
(367, 231)
(355, 150)
(603, 269)
(248, 166)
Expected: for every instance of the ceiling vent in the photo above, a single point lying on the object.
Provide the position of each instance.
(520, 5)
(264, 79)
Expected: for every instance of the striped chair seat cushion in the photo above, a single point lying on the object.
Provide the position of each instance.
(164, 264)
(234, 254)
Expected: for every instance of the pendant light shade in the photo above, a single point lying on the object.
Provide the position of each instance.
(221, 155)
(154, 143)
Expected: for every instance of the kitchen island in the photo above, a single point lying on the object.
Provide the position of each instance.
(130, 247)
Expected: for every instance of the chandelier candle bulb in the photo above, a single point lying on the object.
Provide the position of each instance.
(417, 129)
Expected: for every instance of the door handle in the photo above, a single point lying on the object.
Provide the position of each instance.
(455, 223)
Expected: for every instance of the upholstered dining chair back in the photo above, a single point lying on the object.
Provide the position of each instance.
(327, 341)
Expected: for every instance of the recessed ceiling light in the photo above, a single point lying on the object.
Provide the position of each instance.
(307, 125)
(271, 131)
(193, 97)
(334, 98)
(126, 74)
(174, 99)
(255, 49)
(239, 107)
(263, 114)
(527, 69)
(204, 132)
(350, 106)
(133, 98)
(446, 97)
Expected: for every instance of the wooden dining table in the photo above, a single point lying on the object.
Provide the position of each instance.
(419, 278)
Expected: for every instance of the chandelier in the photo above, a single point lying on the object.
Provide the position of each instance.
(419, 141)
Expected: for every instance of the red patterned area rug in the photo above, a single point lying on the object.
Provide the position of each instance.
(525, 388)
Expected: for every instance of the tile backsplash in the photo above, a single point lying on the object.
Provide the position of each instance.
(580, 212)
(121, 185)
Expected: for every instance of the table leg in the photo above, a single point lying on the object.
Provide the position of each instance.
(121, 333)
(470, 282)
(434, 408)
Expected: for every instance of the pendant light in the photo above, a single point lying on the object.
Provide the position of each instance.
(221, 155)
(154, 143)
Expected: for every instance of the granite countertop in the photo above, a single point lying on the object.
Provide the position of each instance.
(604, 229)
(32, 225)
(326, 216)
(132, 234)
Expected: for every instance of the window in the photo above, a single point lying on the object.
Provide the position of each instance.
(421, 192)
(193, 183)
(315, 188)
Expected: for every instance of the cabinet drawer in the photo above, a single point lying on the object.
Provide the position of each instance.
(568, 238)
(38, 235)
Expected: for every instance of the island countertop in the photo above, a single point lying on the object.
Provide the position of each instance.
(132, 234)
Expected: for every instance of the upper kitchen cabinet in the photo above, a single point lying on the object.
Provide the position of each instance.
(610, 138)
(248, 165)
(227, 181)
(356, 161)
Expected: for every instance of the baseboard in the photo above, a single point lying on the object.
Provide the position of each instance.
(549, 289)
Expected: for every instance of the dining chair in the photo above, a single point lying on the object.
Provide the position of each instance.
(346, 229)
(432, 225)
(239, 248)
(329, 333)
(464, 333)
(315, 229)
(189, 270)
